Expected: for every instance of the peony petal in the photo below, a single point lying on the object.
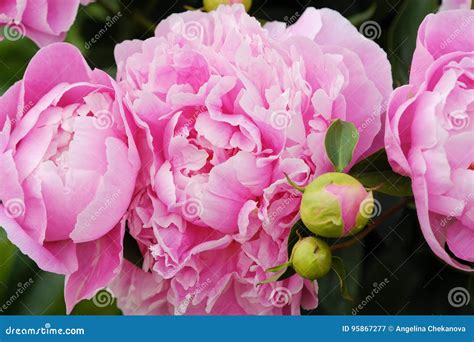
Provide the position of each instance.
(99, 263)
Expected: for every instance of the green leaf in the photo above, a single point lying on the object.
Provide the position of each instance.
(377, 161)
(340, 270)
(402, 35)
(376, 173)
(387, 182)
(341, 140)
(15, 56)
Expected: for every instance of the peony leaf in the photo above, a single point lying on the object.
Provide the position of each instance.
(387, 182)
(341, 140)
(375, 173)
(340, 270)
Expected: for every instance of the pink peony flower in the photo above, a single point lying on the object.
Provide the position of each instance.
(455, 4)
(223, 109)
(429, 133)
(68, 169)
(44, 21)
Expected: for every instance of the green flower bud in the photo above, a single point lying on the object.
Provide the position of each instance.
(311, 258)
(335, 205)
(211, 5)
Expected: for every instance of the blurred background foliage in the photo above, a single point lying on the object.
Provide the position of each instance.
(418, 282)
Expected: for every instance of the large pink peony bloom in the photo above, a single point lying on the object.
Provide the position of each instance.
(44, 21)
(67, 169)
(224, 109)
(430, 133)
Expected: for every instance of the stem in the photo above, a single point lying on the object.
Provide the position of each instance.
(293, 184)
(372, 226)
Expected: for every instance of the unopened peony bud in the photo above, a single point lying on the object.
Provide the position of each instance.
(311, 258)
(210, 5)
(336, 205)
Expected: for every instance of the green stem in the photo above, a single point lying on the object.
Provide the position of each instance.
(293, 184)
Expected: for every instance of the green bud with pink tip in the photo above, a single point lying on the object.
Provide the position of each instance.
(211, 5)
(336, 205)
